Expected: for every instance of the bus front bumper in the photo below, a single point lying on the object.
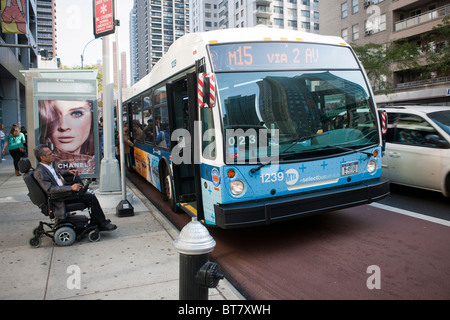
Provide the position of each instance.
(270, 210)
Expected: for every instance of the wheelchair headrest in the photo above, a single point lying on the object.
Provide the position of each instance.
(24, 165)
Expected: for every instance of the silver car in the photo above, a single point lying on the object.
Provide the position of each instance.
(418, 147)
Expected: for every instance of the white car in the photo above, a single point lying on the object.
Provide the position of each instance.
(418, 147)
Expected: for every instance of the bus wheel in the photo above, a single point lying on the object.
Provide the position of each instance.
(168, 192)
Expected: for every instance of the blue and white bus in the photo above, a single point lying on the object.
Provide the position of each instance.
(244, 127)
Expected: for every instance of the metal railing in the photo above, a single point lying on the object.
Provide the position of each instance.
(419, 83)
(422, 18)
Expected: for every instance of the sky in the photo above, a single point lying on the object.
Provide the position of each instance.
(74, 23)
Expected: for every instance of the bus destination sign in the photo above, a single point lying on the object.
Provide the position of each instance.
(280, 56)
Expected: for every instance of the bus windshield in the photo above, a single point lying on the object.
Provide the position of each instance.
(304, 113)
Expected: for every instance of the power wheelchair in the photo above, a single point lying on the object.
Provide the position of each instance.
(63, 232)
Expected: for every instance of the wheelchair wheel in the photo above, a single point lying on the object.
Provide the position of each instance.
(65, 236)
(35, 242)
(94, 236)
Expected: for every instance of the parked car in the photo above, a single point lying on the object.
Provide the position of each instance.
(418, 147)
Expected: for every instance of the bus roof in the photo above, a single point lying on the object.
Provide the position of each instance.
(183, 53)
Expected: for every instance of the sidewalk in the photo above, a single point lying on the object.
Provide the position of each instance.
(137, 261)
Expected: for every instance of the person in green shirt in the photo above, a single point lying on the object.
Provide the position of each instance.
(15, 142)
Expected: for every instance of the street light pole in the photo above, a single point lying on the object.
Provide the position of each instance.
(82, 54)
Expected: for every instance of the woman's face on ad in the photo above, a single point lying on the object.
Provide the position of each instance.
(74, 125)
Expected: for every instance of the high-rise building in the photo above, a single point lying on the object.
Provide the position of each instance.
(386, 21)
(18, 51)
(300, 15)
(154, 26)
(133, 46)
(46, 28)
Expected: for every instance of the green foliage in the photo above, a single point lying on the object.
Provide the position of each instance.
(438, 58)
(380, 60)
(91, 67)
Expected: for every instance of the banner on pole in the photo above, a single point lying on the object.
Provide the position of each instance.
(14, 16)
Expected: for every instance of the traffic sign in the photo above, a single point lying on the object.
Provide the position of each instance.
(103, 17)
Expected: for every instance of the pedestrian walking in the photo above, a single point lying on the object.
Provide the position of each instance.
(15, 142)
(2, 139)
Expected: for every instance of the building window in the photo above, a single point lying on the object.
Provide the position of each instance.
(344, 10)
(306, 25)
(278, 22)
(344, 34)
(355, 6)
(278, 9)
(355, 32)
(376, 24)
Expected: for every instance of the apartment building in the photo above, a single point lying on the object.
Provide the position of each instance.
(385, 21)
(156, 25)
(300, 15)
(18, 51)
(46, 28)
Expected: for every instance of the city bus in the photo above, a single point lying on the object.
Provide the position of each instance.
(250, 126)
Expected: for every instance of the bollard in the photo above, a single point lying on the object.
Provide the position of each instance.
(197, 274)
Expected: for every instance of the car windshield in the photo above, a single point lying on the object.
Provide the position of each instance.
(442, 119)
(295, 114)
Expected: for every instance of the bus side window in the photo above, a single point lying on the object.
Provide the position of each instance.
(136, 127)
(148, 120)
(162, 130)
(208, 138)
(138, 134)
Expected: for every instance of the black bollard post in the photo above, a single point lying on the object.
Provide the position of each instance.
(197, 274)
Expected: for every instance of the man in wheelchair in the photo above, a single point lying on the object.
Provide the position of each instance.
(55, 184)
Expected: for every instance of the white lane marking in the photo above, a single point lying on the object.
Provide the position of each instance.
(411, 214)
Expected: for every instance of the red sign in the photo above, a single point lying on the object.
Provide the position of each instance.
(103, 17)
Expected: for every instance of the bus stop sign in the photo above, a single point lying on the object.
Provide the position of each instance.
(103, 17)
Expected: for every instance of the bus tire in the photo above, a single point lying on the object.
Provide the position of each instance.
(168, 191)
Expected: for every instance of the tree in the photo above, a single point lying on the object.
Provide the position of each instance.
(374, 60)
(91, 67)
(380, 60)
(438, 49)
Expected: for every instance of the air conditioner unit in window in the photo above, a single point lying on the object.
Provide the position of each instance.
(369, 32)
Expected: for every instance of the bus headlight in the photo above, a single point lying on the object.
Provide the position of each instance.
(236, 187)
(371, 166)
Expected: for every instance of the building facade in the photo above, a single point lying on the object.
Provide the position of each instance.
(155, 25)
(46, 28)
(300, 15)
(386, 21)
(18, 51)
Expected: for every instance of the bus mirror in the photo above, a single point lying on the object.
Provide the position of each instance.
(206, 90)
(383, 121)
(383, 124)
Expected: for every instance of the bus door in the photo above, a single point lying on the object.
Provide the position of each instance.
(184, 173)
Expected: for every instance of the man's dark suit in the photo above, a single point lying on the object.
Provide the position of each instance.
(50, 186)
